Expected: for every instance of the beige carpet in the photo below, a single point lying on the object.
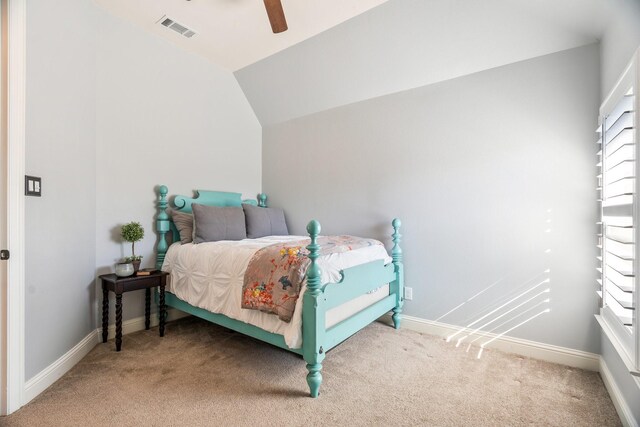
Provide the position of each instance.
(202, 374)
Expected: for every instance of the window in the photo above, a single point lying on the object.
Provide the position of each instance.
(619, 217)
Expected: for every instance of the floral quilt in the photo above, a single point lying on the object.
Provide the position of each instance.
(274, 276)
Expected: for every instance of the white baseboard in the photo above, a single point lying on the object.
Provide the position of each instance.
(536, 350)
(57, 369)
(533, 349)
(622, 407)
(41, 381)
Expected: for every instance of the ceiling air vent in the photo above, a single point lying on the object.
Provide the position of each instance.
(178, 28)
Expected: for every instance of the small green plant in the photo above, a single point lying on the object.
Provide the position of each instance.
(132, 232)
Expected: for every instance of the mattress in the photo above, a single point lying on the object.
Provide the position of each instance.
(210, 276)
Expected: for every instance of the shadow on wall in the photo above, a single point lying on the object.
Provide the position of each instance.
(115, 236)
(94, 289)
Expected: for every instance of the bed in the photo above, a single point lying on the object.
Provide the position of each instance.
(333, 305)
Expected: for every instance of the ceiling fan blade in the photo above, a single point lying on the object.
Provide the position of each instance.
(276, 15)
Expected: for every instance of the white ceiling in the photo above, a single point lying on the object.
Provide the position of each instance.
(236, 33)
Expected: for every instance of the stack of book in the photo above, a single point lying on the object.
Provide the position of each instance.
(146, 271)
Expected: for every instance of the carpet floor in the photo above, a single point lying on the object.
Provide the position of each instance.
(201, 374)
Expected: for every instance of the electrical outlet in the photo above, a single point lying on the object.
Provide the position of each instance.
(408, 294)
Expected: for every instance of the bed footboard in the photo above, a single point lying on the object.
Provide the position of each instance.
(317, 339)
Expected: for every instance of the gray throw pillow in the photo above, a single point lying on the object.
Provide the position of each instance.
(213, 223)
(184, 224)
(264, 222)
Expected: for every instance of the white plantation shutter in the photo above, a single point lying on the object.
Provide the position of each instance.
(618, 264)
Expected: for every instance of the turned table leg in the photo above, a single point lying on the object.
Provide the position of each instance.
(147, 308)
(163, 308)
(105, 313)
(118, 322)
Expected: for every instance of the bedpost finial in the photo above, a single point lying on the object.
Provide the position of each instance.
(313, 228)
(313, 272)
(262, 200)
(162, 203)
(396, 251)
(162, 226)
(396, 223)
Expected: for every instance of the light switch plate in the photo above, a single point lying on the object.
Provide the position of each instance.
(32, 186)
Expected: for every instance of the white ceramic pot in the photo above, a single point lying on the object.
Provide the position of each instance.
(124, 269)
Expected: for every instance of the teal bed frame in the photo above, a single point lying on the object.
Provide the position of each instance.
(318, 298)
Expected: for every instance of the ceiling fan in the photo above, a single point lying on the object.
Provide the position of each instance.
(276, 15)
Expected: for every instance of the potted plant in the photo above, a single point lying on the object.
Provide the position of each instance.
(133, 232)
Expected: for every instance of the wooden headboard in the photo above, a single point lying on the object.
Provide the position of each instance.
(164, 224)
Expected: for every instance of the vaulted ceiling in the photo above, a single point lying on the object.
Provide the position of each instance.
(338, 52)
(405, 44)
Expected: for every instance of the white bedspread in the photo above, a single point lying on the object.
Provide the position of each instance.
(211, 275)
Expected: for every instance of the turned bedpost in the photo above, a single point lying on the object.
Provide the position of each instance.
(313, 314)
(162, 226)
(262, 200)
(397, 286)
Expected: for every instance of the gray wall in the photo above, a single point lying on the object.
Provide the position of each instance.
(620, 39)
(399, 45)
(111, 112)
(60, 147)
(165, 116)
(475, 167)
(106, 104)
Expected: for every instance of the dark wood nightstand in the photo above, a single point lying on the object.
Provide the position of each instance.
(120, 285)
